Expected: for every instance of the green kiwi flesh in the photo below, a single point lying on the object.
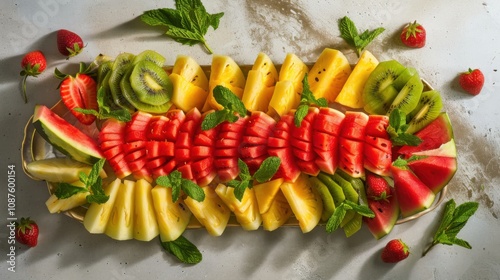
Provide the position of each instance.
(326, 197)
(407, 99)
(428, 108)
(403, 78)
(335, 190)
(151, 83)
(377, 94)
(131, 96)
(152, 56)
(120, 66)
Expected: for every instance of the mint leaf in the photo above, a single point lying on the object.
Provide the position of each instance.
(175, 181)
(338, 215)
(454, 219)
(213, 119)
(183, 250)
(363, 210)
(268, 168)
(349, 33)
(187, 23)
(307, 99)
(397, 130)
(104, 111)
(232, 106)
(240, 188)
(66, 190)
(193, 190)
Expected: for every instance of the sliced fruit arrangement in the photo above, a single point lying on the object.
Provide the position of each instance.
(326, 162)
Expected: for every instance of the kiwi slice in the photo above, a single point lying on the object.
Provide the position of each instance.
(403, 78)
(152, 56)
(151, 83)
(335, 190)
(377, 93)
(353, 226)
(326, 197)
(120, 66)
(428, 108)
(407, 99)
(102, 71)
(131, 97)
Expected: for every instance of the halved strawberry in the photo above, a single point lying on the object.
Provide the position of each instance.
(80, 91)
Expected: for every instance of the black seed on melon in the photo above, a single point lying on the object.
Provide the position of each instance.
(386, 215)
(65, 137)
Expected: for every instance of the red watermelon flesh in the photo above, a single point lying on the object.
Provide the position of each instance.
(386, 215)
(377, 126)
(412, 194)
(351, 157)
(438, 132)
(434, 171)
(354, 125)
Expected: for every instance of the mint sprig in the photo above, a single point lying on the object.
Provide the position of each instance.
(397, 130)
(454, 219)
(266, 171)
(92, 182)
(175, 181)
(349, 32)
(187, 23)
(338, 215)
(232, 107)
(183, 250)
(105, 111)
(307, 99)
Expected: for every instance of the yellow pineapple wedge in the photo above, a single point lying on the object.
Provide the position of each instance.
(145, 223)
(97, 215)
(172, 217)
(190, 84)
(121, 221)
(278, 214)
(64, 170)
(224, 71)
(246, 211)
(288, 89)
(265, 65)
(305, 202)
(266, 192)
(329, 74)
(56, 205)
(351, 94)
(256, 94)
(212, 212)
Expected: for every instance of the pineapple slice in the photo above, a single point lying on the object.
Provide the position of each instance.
(173, 217)
(293, 69)
(224, 71)
(56, 205)
(145, 224)
(278, 214)
(191, 71)
(121, 221)
(246, 211)
(265, 65)
(256, 94)
(186, 95)
(212, 212)
(64, 170)
(284, 99)
(266, 192)
(329, 74)
(97, 215)
(351, 94)
(305, 202)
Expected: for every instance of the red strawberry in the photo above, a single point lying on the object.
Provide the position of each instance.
(33, 64)
(27, 232)
(69, 43)
(395, 251)
(413, 35)
(472, 81)
(377, 187)
(80, 91)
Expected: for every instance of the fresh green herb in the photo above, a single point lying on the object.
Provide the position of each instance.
(232, 106)
(92, 183)
(187, 23)
(338, 215)
(306, 100)
(104, 111)
(349, 32)
(397, 130)
(454, 219)
(183, 249)
(265, 172)
(175, 181)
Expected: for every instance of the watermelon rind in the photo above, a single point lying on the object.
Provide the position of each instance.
(65, 137)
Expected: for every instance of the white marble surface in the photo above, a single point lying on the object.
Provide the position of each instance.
(460, 35)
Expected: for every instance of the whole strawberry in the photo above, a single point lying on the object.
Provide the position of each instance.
(377, 188)
(69, 43)
(27, 232)
(472, 81)
(413, 35)
(395, 251)
(33, 64)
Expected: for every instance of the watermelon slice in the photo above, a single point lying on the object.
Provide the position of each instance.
(65, 137)
(412, 194)
(386, 215)
(434, 171)
(354, 125)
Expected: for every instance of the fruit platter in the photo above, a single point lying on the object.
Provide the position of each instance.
(258, 146)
